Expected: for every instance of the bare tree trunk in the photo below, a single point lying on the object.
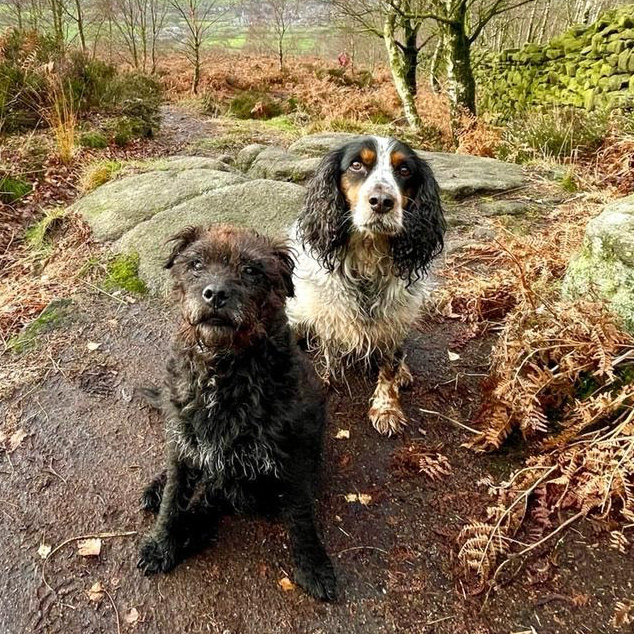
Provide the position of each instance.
(57, 11)
(542, 30)
(531, 25)
(398, 69)
(80, 25)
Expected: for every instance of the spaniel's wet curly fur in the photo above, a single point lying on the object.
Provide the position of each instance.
(371, 224)
(244, 410)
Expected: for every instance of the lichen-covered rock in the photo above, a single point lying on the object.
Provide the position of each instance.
(117, 206)
(317, 145)
(278, 164)
(605, 266)
(247, 155)
(268, 206)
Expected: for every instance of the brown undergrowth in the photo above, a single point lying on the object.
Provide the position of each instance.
(561, 376)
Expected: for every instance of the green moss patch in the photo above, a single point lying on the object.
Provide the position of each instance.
(12, 189)
(49, 319)
(122, 272)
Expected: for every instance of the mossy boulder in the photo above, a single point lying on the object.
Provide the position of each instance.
(116, 207)
(605, 266)
(268, 206)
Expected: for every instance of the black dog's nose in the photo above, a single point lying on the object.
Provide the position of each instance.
(381, 202)
(215, 295)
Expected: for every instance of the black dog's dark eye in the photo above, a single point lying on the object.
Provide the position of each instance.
(196, 265)
(250, 270)
(356, 166)
(403, 170)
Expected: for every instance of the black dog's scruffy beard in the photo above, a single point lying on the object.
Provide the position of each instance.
(246, 278)
(208, 330)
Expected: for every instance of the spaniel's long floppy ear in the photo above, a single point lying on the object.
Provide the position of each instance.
(180, 242)
(286, 262)
(424, 226)
(324, 223)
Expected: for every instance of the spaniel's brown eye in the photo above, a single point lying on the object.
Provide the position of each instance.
(403, 170)
(196, 265)
(356, 166)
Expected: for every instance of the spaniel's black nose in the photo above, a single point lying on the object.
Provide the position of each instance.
(215, 295)
(381, 202)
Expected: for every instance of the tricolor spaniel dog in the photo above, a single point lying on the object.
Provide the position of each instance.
(371, 224)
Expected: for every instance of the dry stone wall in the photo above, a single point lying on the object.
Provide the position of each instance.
(587, 67)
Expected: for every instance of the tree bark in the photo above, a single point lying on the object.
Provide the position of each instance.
(436, 61)
(410, 57)
(399, 75)
(462, 89)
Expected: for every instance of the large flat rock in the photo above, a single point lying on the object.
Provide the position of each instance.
(458, 175)
(120, 205)
(265, 205)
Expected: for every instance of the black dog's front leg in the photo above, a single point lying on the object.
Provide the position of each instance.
(314, 569)
(164, 548)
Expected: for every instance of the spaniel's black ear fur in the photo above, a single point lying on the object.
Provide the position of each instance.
(424, 226)
(181, 240)
(324, 222)
(286, 262)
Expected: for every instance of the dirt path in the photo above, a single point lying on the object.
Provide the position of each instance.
(91, 446)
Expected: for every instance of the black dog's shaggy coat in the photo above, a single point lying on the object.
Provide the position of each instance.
(245, 413)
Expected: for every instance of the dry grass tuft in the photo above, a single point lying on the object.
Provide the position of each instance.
(46, 268)
(561, 374)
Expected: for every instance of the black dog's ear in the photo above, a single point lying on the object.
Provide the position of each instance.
(181, 240)
(424, 227)
(284, 256)
(323, 223)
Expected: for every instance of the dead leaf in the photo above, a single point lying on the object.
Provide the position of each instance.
(131, 617)
(15, 440)
(362, 498)
(96, 592)
(93, 345)
(44, 551)
(89, 547)
(453, 356)
(286, 584)
(343, 433)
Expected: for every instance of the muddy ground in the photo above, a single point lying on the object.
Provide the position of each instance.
(92, 445)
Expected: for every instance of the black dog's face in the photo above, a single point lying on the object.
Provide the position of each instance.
(379, 179)
(232, 283)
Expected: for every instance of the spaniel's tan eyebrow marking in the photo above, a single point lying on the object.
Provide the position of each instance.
(397, 158)
(368, 156)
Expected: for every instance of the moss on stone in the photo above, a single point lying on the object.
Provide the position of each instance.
(122, 272)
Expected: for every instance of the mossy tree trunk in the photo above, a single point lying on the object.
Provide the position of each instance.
(410, 55)
(462, 88)
(399, 70)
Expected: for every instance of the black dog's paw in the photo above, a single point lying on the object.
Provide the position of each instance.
(153, 494)
(318, 581)
(156, 555)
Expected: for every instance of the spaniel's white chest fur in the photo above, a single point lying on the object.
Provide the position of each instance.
(358, 310)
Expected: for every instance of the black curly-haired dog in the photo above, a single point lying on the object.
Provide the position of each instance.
(371, 224)
(244, 410)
